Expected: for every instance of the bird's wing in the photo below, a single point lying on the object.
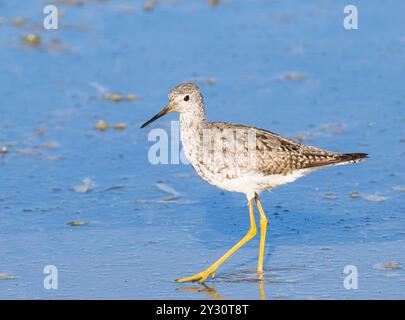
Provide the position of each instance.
(275, 154)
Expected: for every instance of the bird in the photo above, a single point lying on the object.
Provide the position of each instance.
(241, 158)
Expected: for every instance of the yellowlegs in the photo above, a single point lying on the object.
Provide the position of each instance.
(240, 158)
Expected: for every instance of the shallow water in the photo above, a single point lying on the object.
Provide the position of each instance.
(133, 245)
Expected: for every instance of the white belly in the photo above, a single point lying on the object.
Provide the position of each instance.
(249, 183)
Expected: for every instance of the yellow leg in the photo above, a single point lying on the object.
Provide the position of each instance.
(210, 271)
(263, 229)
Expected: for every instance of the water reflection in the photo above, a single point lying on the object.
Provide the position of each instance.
(213, 293)
(243, 276)
(262, 293)
(205, 289)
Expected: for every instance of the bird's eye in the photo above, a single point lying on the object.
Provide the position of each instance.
(186, 98)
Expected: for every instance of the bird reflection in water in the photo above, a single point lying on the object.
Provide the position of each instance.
(205, 289)
(212, 292)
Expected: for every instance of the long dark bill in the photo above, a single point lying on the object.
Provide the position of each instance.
(157, 116)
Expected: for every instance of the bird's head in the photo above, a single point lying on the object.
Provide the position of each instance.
(185, 98)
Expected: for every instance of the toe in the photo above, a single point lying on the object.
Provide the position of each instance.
(192, 278)
(200, 277)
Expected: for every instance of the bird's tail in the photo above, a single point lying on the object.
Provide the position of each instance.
(337, 159)
(346, 158)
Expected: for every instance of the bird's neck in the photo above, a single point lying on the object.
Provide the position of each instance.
(193, 119)
(192, 124)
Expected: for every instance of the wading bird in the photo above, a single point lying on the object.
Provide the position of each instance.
(249, 160)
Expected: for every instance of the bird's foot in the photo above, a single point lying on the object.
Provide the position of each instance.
(200, 277)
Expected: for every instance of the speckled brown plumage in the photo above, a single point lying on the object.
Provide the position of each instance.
(274, 154)
(221, 153)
